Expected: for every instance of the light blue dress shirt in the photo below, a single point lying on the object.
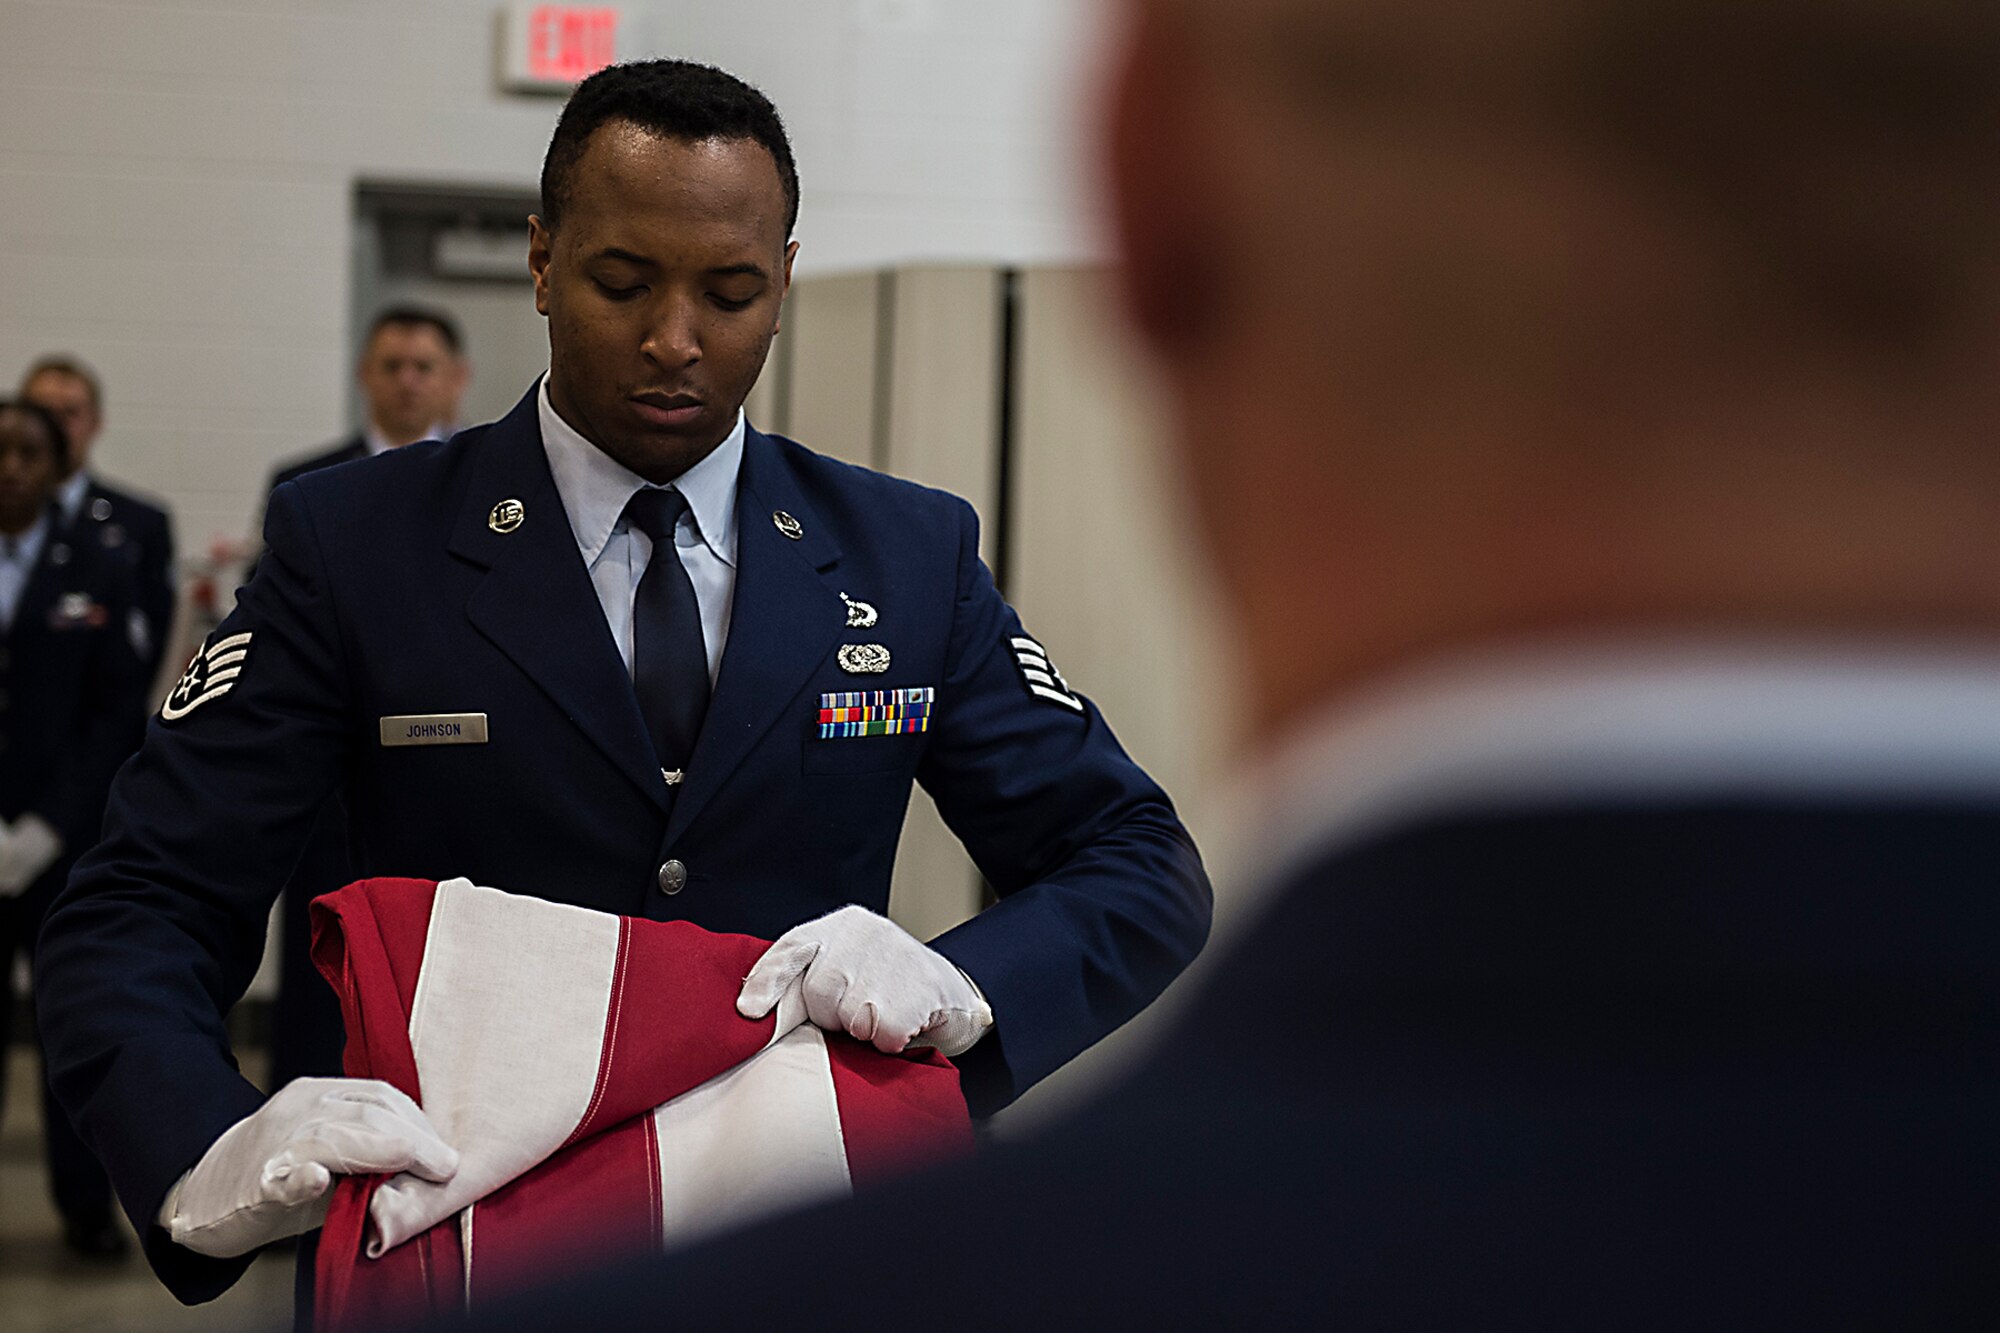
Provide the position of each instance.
(17, 561)
(594, 488)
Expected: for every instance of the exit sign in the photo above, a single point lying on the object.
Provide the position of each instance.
(551, 48)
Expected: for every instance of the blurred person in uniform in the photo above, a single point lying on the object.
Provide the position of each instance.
(413, 372)
(619, 650)
(71, 707)
(138, 530)
(1588, 409)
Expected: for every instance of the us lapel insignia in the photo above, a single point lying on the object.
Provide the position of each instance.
(100, 509)
(863, 659)
(210, 675)
(860, 615)
(507, 516)
(75, 609)
(787, 524)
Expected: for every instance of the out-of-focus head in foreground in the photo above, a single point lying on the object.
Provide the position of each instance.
(1483, 320)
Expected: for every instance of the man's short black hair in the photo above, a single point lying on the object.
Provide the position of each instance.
(415, 316)
(64, 364)
(57, 435)
(674, 98)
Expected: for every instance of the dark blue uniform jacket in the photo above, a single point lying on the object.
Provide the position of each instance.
(391, 588)
(72, 690)
(1713, 1062)
(140, 534)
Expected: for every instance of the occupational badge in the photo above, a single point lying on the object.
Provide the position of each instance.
(860, 615)
(76, 610)
(863, 659)
(787, 524)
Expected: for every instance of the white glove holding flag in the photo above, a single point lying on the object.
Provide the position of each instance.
(864, 975)
(27, 848)
(270, 1175)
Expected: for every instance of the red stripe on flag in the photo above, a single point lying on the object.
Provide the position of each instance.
(370, 949)
(590, 1203)
(689, 979)
(896, 1111)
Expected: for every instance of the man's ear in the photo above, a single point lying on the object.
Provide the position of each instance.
(1162, 205)
(784, 286)
(541, 244)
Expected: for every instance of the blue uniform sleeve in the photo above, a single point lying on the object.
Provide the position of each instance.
(1102, 896)
(162, 925)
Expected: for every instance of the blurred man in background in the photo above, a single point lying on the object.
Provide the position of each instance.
(413, 372)
(1588, 409)
(138, 531)
(71, 707)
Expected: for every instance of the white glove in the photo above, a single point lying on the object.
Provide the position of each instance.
(270, 1174)
(28, 848)
(864, 975)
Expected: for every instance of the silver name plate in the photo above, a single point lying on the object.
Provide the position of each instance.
(435, 729)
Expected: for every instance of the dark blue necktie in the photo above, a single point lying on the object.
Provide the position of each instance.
(669, 661)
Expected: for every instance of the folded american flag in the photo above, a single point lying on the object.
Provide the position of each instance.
(602, 1092)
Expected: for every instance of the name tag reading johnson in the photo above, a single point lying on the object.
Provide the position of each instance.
(435, 729)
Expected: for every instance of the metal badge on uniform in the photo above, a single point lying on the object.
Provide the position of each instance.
(1040, 675)
(787, 524)
(434, 729)
(100, 509)
(507, 515)
(860, 615)
(210, 675)
(76, 610)
(875, 713)
(863, 659)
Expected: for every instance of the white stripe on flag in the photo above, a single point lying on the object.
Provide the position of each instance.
(718, 1142)
(465, 1249)
(490, 1014)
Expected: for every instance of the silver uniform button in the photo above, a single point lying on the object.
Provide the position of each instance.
(673, 877)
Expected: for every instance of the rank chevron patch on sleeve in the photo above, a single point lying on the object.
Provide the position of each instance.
(210, 675)
(1040, 675)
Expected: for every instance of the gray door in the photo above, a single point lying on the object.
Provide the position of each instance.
(463, 251)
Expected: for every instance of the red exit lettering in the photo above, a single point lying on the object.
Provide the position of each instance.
(571, 44)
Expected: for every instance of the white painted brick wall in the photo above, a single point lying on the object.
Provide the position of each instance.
(176, 180)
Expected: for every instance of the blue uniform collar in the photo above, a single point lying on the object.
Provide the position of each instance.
(536, 603)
